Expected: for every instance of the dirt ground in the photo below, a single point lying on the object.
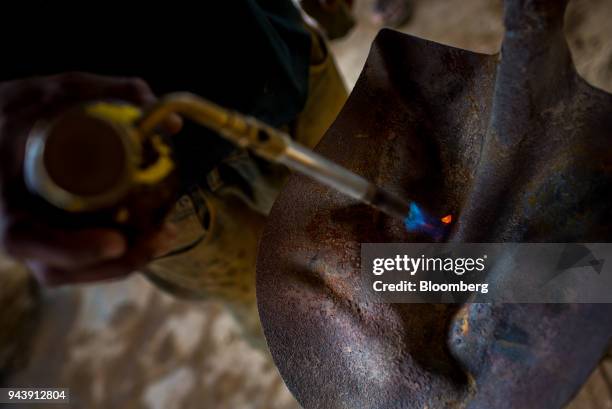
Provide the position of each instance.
(477, 25)
(128, 345)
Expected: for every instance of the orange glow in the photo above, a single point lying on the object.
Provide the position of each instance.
(447, 219)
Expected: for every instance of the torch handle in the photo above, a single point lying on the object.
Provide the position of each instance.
(273, 145)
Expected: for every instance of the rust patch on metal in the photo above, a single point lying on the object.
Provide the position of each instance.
(517, 148)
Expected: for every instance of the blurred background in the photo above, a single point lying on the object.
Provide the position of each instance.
(126, 344)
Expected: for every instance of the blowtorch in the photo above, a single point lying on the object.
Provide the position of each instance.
(98, 134)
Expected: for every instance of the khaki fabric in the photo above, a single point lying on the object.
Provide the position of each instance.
(221, 221)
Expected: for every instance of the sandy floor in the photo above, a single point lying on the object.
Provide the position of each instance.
(474, 24)
(477, 25)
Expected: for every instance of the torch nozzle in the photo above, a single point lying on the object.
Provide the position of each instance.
(276, 146)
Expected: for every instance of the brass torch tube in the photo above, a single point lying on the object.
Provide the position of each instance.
(274, 145)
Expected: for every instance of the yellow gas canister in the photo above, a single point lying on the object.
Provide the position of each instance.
(91, 167)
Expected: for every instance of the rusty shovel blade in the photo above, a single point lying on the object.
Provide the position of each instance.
(517, 146)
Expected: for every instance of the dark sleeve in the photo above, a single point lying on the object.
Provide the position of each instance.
(249, 55)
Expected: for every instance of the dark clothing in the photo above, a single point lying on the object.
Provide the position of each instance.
(252, 56)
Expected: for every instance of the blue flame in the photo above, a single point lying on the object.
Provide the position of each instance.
(418, 221)
(415, 219)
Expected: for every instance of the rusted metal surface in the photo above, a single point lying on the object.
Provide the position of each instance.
(518, 146)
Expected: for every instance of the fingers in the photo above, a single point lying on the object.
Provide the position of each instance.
(85, 86)
(78, 86)
(72, 87)
(36, 97)
(135, 257)
(173, 124)
(33, 96)
(63, 256)
(69, 250)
